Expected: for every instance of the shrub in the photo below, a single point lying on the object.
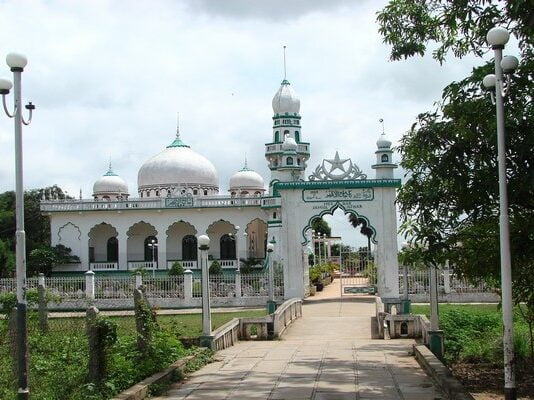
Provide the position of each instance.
(215, 268)
(176, 269)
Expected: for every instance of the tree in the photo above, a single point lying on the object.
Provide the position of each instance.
(364, 230)
(450, 201)
(319, 225)
(458, 26)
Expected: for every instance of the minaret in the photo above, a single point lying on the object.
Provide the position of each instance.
(286, 153)
(384, 163)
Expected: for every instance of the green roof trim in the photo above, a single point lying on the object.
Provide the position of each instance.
(356, 183)
(178, 143)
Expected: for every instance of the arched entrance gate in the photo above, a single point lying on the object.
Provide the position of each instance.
(372, 200)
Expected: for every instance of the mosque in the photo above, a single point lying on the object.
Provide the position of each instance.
(178, 199)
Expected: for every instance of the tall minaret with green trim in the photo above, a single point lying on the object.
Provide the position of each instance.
(286, 154)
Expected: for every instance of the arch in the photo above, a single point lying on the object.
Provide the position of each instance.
(215, 232)
(99, 236)
(256, 239)
(289, 161)
(227, 247)
(174, 239)
(65, 227)
(384, 158)
(189, 248)
(151, 252)
(331, 211)
(277, 137)
(136, 235)
(70, 236)
(297, 136)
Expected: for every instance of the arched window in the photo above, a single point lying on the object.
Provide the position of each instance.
(148, 249)
(286, 133)
(189, 248)
(274, 215)
(113, 250)
(298, 161)
(227, 245)
(289, 160)
(275, 163)
(297, 136)
(385, 158)
(277, 137)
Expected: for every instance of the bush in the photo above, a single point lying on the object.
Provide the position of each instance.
(215, 268)
(176, 269)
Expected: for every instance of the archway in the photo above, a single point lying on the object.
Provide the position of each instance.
(222, 238)
(256, 239)
(100, 236)
(181, 243)
(139, 235)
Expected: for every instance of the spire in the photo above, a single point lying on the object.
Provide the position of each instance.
(177, 141)
(381, 120)
(110, 170)
(245, 166)
(284, 63)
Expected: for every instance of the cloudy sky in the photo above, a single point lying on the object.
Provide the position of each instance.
(108, 78)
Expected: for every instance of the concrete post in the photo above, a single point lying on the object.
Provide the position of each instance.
(42, 304)
(206, 340)
(123, 251)
(447, 278)
(238, 283)
(188, 284)
(90, 285)
(138, 280)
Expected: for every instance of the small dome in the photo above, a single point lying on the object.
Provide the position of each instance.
(110, 183)
(246, 179)
(285, 100)
(289, 144)
(178, 167)
(383, 142)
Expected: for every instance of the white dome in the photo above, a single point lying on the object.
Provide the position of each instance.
(289, 144)
(285, 100)
(383, 142)
(246, 179)
(110, 183)
(177, 166)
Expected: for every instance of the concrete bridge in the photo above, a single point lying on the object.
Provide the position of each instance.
(329, 353)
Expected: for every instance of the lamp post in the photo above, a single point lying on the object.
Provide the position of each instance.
(497, 37)
(245, 236)
(236, 240)
(17, 62)
(204, 246)
(153, 245)
(271, 304)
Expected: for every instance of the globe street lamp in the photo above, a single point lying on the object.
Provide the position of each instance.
(497, 37)
(153, 245)
(17, 62)
(204, 246)
(406, 301)
(271, 304)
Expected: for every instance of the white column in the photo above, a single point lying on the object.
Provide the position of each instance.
(123, 250)
(188, 284)
(90, 285)
(238, 283)
(162, 249)
(84, 256)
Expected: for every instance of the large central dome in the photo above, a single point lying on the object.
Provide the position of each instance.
(177, 171)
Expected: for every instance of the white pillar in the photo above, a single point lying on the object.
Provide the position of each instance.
(447, 278)
(188, 284)
(123, 250)
(90, 285)
(162, 250)
(238, 283)
(138, 280)
(203, 242)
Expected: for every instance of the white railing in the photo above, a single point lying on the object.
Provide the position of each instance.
(156, 203)
(271, 202)
(276, 148)
(228, 263)
(103, 266)
(165, 287)
(222, 285)
(66, 287)
(142, 264)
(448, 282)
(186, 264)
(120, 287)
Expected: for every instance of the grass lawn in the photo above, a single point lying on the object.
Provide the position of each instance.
(59, 358)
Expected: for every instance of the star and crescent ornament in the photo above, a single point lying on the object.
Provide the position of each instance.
(349, 170)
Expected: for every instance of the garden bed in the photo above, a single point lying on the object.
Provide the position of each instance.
(473, 348)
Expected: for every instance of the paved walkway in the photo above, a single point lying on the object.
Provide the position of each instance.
(328, 354)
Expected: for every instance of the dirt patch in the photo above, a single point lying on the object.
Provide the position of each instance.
(486, 381)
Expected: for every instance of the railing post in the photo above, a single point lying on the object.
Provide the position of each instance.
(138, 280)
(188, 284)
(447, 278)
(237, 283)
(42, 305)
(90, 285)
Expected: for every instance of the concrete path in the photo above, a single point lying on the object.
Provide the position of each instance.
(328, 354)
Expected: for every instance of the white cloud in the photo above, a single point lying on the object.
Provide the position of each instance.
(109, 76)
